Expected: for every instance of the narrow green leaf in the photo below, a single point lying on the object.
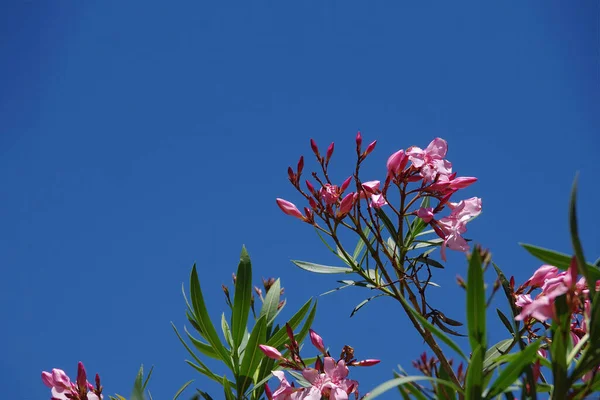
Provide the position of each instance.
(361, 244)
(558, 348)
(241, 301)
(559, 260)
(496, 351)
(363, 303)
(389, 225)
(227, 389)
(419, 244)
(252, 354)
(577, 248)
(505, 321)
(322, 269)
(307, 324)
(201, 346)
(180, 391)
(269, 307)
(430, 327)
(430, 262)
(138, 387)
(474, 379)
(476, 307)
(511, 372)
(226, 330)
(384, 387)
(279, 337)
(203, 319)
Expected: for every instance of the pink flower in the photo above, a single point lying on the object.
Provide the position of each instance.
(451, 230)
(332, 383)
(370, 187)
(378, 201)
(542, 308)
(270, 352)
(465, 210)
(426, 214)
(542, 274)
(431, 160)
(63, 389)
(330, 194)
(523, 300)
(317, 341)
(396, 163)
(289, 209)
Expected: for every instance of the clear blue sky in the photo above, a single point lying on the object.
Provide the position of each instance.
(138, 137)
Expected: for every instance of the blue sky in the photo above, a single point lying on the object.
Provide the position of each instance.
(137, 138)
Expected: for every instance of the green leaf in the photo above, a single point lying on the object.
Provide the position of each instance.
(307, 324)
(279, 337)
(201, 346)
(476, 306)
(513, 370)
(559, 260)
(496, 351)
(389, 225)
(269, 307)
(558, 348)
(430, 262)
(322, 269)
(226, 330)
(384, 387)
(180, 391)
(138, 386)
(203, 319)
(505, 321)
(363, 303)
(431, 328)
(577, 248)
(241, 301)
(252, 354)
(361, 244)
(474, 379)
(419, 244)
(227, 389)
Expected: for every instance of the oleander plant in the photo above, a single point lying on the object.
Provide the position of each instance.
(391, 234)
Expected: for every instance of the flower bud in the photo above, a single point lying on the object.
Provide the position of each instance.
(289, 208)
(345, 184)
(310, 187)
(358, 140)
(315, 149)
(270, 352)
(300, 165)
(370, 148)
(365, 363)
(346, 204)
(396, 163)
(317, 341)
(329, 152)
(81, 376)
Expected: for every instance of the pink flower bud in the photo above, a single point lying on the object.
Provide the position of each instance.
(81, 376)
(317, 341)
(313, 203)
(370, 148)
(268, 392)
(270, 352)
(314, 148)
(462, 182)
(358, 140)
(310, 187)
(396, 162)
(329, 152)
(300, 165)
(426, 214)
(289, 208)
(345, 184)
(346, 204)
(365, 363)
(291, 175)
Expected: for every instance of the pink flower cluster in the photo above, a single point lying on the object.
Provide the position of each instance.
(63, 389)
(328, 379)
(552, 283)
(428, 167)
